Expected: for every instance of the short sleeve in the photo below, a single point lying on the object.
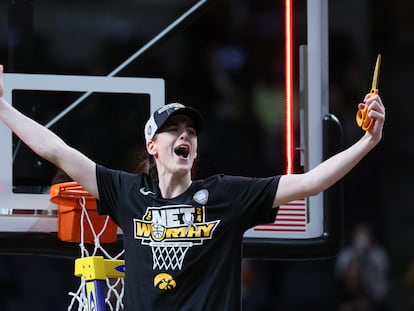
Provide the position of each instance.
(109, 186)
(252, 198)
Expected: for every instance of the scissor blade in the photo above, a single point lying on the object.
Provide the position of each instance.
(375, 78)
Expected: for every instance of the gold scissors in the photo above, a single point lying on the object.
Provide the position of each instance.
(362, 118)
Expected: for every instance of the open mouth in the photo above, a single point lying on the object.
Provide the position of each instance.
(182, 151)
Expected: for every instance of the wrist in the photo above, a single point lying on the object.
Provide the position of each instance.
(3, 102)
(370, 140)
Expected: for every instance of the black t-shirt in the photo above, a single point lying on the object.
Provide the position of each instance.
(184, 253)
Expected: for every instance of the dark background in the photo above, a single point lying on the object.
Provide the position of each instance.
(228, 63)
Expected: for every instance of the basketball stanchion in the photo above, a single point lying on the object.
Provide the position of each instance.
(102, 275)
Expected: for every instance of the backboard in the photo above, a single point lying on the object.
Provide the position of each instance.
(33, 213)
(306, 228)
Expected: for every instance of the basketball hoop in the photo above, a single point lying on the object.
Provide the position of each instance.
(78, 221)
(71, 198)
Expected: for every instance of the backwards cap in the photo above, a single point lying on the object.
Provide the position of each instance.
(160, 116)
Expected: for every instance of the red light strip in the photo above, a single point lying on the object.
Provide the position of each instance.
(289, 138)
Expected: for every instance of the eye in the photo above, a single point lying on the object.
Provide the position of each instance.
(171, 128)
(192, 131)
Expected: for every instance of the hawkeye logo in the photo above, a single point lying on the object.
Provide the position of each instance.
(164, 281)
(174, 223)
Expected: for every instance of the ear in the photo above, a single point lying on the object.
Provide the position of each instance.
(151, 147)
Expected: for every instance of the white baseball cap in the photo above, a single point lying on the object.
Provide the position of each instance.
(160, 116)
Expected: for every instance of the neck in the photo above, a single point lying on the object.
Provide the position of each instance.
(172, 186)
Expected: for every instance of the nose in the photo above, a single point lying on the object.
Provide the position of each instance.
(184, 134)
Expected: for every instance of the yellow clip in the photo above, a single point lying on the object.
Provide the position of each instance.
(98, 268)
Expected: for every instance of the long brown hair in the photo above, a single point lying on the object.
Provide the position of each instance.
(147, 165)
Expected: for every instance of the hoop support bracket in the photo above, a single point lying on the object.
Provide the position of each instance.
(97, 268)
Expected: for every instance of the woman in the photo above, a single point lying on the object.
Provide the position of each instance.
(183, 238)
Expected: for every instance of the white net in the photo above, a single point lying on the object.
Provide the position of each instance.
(169, 255)
(114, 286)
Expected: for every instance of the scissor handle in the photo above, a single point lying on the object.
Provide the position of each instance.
(362, 118)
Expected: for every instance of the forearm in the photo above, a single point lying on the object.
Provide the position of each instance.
(327, 173)
(38, 138)
(335, 168)
(324, 175)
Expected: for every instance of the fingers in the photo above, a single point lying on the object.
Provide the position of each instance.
(375, 103)
(375, 107)
(372, 109)
(373, 99)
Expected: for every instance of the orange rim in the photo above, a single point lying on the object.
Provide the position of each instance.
(69, 194)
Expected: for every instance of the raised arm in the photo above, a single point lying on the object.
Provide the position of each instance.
(327, 173)
(48, 145)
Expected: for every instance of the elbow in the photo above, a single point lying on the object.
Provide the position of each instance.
(317, 187)
(312, 188)
(313, 192)
(55, 155)
(50, 154)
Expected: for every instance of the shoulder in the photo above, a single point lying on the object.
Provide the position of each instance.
(218, 179)
(115, 176)
(237, 181)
